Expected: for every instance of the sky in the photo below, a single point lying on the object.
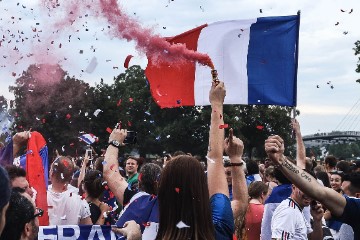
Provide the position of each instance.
(327, 90)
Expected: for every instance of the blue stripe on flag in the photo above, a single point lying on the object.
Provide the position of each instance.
(272, 61)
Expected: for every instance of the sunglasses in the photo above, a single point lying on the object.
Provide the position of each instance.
(38, 213)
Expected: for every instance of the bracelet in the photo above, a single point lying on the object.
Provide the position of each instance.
(233, 164)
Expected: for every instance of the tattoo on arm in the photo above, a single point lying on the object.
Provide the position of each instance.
(293, 169)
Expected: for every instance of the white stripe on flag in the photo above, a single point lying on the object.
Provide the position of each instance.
(227, 45)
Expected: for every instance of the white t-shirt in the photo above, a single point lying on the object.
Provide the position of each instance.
(288, 222)
(66, 208)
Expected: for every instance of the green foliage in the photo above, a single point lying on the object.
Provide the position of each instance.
(345, 150)
(357, 52)
(63, 110)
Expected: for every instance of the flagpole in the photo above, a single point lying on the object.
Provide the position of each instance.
(297, 57)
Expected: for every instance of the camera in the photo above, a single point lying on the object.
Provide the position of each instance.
(89, 153)
(131, 137)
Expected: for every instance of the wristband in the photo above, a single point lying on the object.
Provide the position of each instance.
(234, 164)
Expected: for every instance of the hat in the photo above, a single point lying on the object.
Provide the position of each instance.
(5, 189)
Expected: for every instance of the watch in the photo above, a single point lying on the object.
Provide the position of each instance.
(115, 143)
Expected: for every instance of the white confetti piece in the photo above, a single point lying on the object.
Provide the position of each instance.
(115, 207)
(168, 136)
(103, 183)
(62, 176)
(210, 160)
(97, 111)
(63, 217)
(181, 224)
(86, 114)
(105, 215)
(92, 65)
(63, 148)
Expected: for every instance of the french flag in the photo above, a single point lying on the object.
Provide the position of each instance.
(257, 60)
(88, 138)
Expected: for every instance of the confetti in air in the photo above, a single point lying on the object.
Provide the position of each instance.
(181, 224)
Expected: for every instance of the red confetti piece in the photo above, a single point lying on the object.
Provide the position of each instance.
(72, 144)
(109, 130)
(177, 189)
(14, 74)
(68, 116)
(220, 116)
(119, 103)
(106, 187)
(43, 120)
(50, 207)
(66, 164)
(111, 194)
(129, 124)
(131, 99)
(111, 167)
(222, 126)
(260, 127)
(147, 224)
(127, 60)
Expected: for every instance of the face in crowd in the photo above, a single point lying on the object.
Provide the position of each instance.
(335, 182)
(131, 166)
(301, 198)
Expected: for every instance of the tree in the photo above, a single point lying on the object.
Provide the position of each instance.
(53, 104)
(62, 108)
(357, 52)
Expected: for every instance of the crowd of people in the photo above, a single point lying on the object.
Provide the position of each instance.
(181, 197)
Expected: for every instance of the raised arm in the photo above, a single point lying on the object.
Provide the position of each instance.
(83, 170)
(234, 148)
(332, 200)
(300, 147)
(216, 174)
(115, 181)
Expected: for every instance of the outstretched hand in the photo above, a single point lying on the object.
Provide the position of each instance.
(118, 135)
(274, 147)
(295, 125)
(131, 230)
(217, 93)
(233, 146)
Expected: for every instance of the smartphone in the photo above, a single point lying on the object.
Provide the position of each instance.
(131, 137)
(89, 154)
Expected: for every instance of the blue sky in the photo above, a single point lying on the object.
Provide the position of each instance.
(326, 57)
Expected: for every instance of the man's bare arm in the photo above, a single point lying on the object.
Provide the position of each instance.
(216, 174)
(115, 181)
(332, 200)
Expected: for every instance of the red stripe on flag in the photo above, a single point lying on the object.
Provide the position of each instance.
(173, 85)
(35, 174)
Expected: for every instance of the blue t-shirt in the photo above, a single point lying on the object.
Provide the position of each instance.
(351, 215)
(222, 217)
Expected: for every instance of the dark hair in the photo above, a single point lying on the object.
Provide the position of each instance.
(93, 183)
(20, 212)
(62, 169)
(149, 177)
(98, 165)
(354, 179)
(257, 188)
(339, 173)
(331, 161)
(281, 177)
(252, 167)
(183, 184)
(5, 189)
(324, 177)
(133, 158)
(178, 153)
(343, 166)
(15, 172)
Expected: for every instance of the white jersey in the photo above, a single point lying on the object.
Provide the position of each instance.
(66, 208)
(288, 222)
